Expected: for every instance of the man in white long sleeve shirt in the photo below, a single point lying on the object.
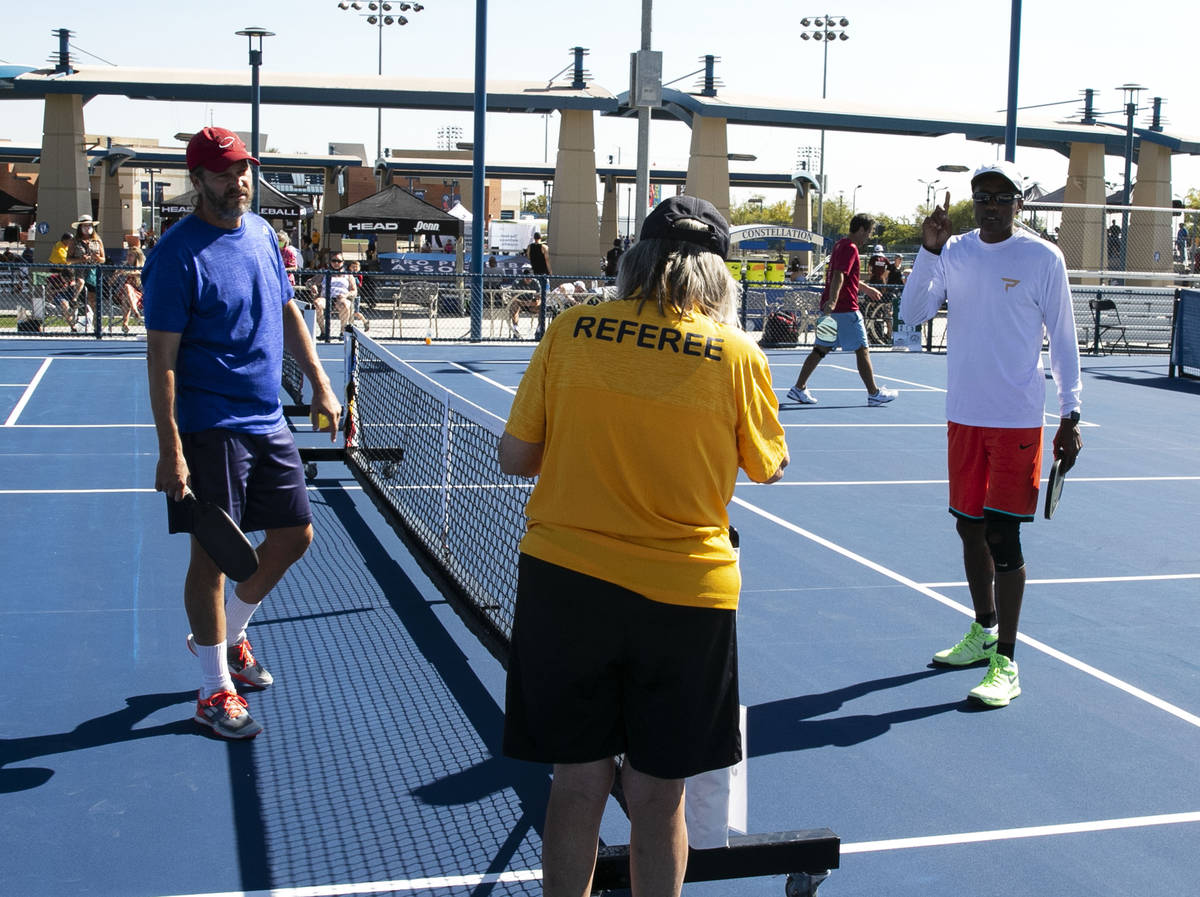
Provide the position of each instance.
(1005, 289)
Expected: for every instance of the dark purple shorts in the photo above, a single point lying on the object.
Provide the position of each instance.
(257, 477)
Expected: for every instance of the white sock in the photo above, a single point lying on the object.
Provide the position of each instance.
(215, 669)
(992, 630)
(237, 615)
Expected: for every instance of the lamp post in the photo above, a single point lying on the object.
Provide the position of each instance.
(252, 34)
(377, 14)
(854, 199)
(825, 32)
(929, 186)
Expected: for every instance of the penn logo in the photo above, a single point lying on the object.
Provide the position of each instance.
(428, 225)
(1009, 283)
(227, 142)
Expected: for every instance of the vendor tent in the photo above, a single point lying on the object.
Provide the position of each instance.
(271, 204)
(393, 211)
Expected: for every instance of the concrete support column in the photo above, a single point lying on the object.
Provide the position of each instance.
(118, 198)
(802, 218)
(1151, 237)
(1081, 236)
(609, 213)
(708, 163)
(63, 192)
(574, 233)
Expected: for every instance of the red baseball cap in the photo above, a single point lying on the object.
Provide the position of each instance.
(216, 149)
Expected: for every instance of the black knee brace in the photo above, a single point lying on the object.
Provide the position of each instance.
(1003, 534)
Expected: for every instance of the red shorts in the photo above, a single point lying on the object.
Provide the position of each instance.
(994, 469)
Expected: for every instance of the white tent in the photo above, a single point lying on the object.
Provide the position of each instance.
(459, 211)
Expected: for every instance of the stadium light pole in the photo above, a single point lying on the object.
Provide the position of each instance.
(378, 15)
(829, 28)
(1131, 96)
(854, 199)
(929, 185)
(252, 34)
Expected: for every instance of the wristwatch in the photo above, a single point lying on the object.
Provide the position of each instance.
(1073, 417)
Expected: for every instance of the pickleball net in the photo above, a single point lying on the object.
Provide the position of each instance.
(1185, 335)
(428, 459)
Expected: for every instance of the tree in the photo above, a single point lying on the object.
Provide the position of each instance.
(754, 212)
(536, 205)
(1192, 200)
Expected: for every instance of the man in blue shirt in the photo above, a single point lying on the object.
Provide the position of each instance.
(219, 314)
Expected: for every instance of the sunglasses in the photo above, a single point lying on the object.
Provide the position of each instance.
(335, 261)
(1005, 199)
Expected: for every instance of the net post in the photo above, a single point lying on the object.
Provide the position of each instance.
(1096, 324)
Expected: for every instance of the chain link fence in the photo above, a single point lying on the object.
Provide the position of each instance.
(1106, 244)
(104, 301)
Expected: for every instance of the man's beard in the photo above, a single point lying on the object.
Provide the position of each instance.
(224, 206)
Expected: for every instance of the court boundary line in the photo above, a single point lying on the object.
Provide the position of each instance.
(1085, 668)
(1032, 831)
(28, 393)
(1079, 580)
(855, 847)
(488, 380)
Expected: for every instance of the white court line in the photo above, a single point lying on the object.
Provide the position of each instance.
(878, 376)
(74, 491)
(80, 426)
(1078, 579)
(28, 394)
(1086, 669)
(508, 389)
(396, 886)
(387, 887)
(785, 483)
(1033, 831)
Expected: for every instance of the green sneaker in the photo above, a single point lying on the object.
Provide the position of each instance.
(976, 646)
(1000, 685)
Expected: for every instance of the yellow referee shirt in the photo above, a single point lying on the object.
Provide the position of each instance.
(645, 421)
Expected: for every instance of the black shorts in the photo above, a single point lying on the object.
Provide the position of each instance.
(257, 478)
(597, 670)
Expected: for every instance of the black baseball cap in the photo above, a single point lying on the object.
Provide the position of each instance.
(661, 224)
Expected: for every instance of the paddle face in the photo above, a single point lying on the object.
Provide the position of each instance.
(827, 328)
(224, 541)
(1054, 485)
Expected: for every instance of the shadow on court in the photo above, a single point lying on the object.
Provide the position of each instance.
(788, 724)
(111, 728)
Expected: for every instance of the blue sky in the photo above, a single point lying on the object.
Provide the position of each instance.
(943, 56)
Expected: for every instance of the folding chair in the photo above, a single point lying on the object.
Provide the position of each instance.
(1107, 333)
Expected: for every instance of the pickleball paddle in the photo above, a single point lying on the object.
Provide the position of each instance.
(827, 328)
(223, 539)
(1054, 485)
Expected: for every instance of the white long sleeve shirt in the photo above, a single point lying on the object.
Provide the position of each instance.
(1001, 298)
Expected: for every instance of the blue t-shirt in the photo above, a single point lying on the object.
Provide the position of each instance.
(224, 291)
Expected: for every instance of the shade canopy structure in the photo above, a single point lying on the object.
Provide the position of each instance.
(393, 211)
(272, 204)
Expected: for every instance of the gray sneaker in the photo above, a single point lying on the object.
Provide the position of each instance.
(225, 713)
(243, 668)
(882, 397)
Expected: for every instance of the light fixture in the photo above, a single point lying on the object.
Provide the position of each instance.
(388, 20)
(401, 20)
(373, 6)
(417, 7)
(373, 20)
(343, 5)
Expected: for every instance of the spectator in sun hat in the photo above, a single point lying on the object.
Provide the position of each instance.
(637, 413)
(86, 252)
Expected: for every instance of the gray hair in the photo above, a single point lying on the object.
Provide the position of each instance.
(679, 277)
